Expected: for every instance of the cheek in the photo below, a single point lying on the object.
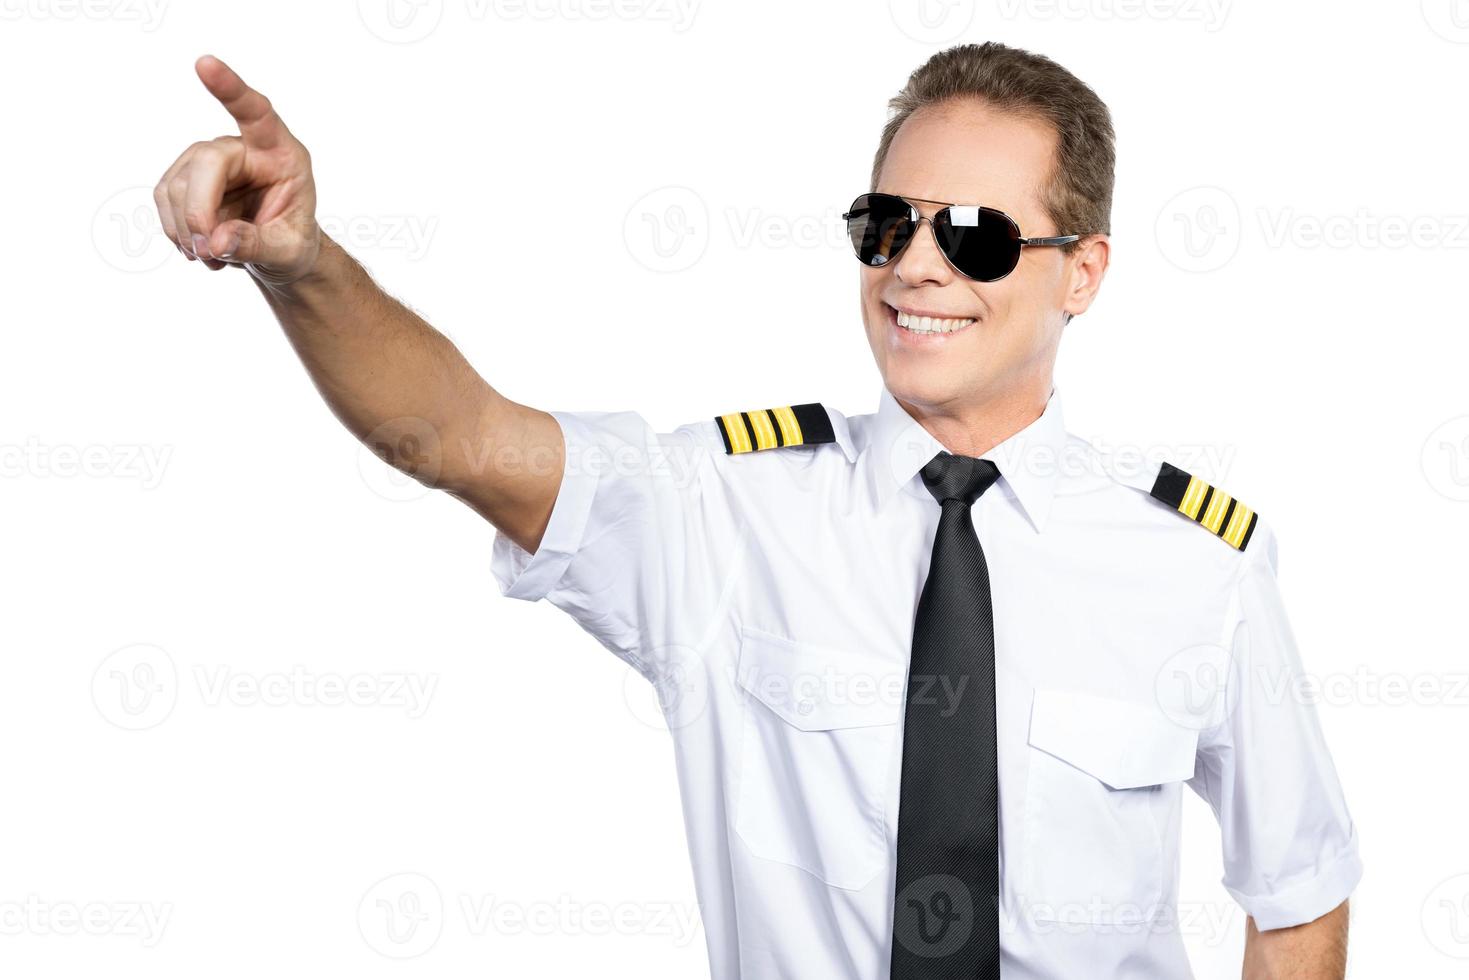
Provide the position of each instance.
(869, 297)
(870, 281)
(1025, 326)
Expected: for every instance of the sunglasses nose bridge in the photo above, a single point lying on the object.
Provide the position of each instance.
(933, 236)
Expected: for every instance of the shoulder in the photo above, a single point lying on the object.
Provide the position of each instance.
(777, 427)
(1168, 497)
(1211, 508)
(799, 431)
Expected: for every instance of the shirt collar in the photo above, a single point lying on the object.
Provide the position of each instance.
(897, 446)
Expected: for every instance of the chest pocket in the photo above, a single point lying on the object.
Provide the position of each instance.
(816, 746)
(1103, 795)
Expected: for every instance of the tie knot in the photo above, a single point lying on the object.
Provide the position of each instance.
(950, 477)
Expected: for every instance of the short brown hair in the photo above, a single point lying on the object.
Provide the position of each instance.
(1077, 195)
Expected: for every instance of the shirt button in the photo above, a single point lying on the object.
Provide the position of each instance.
(805, 706)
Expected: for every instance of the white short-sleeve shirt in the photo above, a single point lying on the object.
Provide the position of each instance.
(770, 596)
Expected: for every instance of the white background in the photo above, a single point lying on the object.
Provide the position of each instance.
(193, 547)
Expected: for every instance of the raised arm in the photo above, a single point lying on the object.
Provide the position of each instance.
(394, 381)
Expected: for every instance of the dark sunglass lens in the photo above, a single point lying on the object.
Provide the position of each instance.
(982, 243)
(880, 225)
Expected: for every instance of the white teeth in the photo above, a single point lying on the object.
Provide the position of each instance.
(929, 324)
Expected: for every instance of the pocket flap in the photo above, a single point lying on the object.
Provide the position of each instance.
(1125, 744)
(817, 688)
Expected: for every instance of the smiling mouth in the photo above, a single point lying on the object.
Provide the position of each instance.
(929, 324)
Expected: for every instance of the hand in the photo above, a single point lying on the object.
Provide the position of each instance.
(243, 200)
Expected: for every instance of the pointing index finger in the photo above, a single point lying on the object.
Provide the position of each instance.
(258, 122)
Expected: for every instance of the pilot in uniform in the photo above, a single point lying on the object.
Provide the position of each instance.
(933, 710)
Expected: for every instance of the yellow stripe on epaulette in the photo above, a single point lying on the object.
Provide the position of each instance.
(768, 428)
(1216, 510)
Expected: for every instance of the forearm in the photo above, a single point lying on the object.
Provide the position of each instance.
(1316, 950)
(395, 382)
(390, 377)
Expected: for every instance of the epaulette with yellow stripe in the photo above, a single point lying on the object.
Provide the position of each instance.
(1214, 509)
(767, 428)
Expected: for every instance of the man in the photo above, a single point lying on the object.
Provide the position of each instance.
(936, 675)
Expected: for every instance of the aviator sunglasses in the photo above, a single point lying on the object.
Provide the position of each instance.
(980, 243)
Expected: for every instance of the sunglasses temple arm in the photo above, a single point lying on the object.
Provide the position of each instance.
(1059, 240)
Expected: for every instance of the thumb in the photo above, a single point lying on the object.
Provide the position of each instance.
(235, 241)
(277, 251)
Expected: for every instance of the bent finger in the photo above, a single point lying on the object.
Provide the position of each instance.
(211, 171)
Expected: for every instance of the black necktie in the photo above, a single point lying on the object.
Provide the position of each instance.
(946, 901)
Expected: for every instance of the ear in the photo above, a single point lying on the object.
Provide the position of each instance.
(1088, 264)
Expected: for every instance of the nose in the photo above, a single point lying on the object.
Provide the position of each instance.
(922, 261)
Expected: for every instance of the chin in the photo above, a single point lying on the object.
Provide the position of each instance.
(920, 384)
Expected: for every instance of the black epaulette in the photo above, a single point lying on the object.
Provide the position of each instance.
(769, 428)
(1216, 510)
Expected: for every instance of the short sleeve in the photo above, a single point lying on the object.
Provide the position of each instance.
(629, 548)
(1290, 847)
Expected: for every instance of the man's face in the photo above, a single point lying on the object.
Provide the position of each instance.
(966, 153)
